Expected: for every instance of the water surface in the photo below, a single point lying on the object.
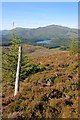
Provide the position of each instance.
(44, 41)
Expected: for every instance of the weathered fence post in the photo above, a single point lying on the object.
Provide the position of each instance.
(17, 82)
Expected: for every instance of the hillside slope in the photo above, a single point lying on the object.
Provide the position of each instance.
(51, 93)
(55, 33)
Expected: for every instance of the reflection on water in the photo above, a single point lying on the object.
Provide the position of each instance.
(44, 41)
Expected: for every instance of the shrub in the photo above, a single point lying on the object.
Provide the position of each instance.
(73, 47)
(53, 103)
(29, 69)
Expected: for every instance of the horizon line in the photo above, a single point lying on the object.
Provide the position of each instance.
(41, 26)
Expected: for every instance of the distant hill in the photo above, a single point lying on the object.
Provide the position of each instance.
(58, 34)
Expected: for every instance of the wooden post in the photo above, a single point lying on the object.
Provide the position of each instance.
(17, 82)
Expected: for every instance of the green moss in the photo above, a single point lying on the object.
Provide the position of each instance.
(53, 103)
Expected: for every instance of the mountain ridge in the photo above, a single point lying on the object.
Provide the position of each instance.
(42, 27)
(31, 35)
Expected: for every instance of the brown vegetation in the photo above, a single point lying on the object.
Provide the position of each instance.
(51, 93)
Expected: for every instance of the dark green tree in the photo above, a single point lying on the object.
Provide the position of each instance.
(73, 47)
(10, 60)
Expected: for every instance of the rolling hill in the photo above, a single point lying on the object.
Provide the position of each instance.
(59, 35)
(49, 93)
